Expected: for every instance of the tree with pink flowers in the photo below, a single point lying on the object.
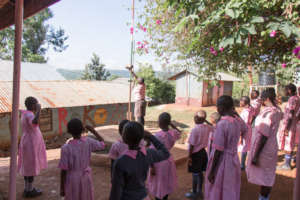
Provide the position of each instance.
(227, 35)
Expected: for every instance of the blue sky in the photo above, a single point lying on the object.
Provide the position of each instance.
(94, 26)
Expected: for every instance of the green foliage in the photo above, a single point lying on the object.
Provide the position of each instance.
(237, 30)
(160, 91)
(95, 70)
(70, 74)
(113, 77)
(38, 37)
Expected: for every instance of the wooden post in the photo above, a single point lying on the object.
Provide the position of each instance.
(297, 181)
(19, 5)
(131, 63)
(187, 87)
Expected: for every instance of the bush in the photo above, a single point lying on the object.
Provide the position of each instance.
(161, 91)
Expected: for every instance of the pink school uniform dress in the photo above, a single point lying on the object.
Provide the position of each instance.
(287, 143)
(266, 124)
(199, 140)
(117, 149)
(32, 156)
(228, 177)
(247, 115)
(165, 180)
(75, 159)
(256, 105)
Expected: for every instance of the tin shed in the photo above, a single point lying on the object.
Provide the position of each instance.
(192, 91)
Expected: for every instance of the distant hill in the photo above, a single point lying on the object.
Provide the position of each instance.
(76, 74)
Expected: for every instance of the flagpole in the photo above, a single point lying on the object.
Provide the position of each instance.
(131, 60)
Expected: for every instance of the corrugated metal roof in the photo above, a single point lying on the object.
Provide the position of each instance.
(54, 94)
(30, 72)
(219, 75)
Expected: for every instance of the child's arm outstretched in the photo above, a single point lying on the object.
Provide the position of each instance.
(95, 133)
(36, 118)
(174, 127)
(160, 154)
(213, 171)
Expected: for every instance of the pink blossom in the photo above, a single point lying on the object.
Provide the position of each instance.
(283, 65)
(213, 51)
(296, 50)
(144, 29)
(221, 49)
(158, 22)
(131, 30)
(139, 43)
(273, 33)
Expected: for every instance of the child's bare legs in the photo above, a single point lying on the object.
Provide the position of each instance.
(197, 186)
(29, 190)
(243, 160)
(265, 193)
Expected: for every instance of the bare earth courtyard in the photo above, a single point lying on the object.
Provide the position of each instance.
(49, 181)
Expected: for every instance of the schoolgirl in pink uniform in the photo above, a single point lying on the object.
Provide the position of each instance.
(32, 151)
(118, 148)
(197, 163)
(76, 174)
(261, 166)
(162, 179)
(248, 114)
(214, 118)
(223, 177)
(287, 133)
(255, 102)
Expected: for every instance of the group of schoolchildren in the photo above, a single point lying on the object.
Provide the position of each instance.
(141, 162)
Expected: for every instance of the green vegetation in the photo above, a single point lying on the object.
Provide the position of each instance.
(161, 91)
(38, 37)
(95, 70)
(227, 35)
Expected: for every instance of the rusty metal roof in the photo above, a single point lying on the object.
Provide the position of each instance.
(31, 7)
(55, 94)
(30, 72)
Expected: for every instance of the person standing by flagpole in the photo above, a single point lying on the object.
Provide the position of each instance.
(139, 93)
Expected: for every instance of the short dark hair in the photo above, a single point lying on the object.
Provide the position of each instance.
(246, 99)
(164, 118)
(200, 117)
(142, 80)
(271, 94)
(291, 87)
(225, 104)
(29, 101)
(256, 92)
(121, 125)
(133, 133)
(75, 127)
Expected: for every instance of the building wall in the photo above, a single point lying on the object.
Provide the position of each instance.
(228, 86)
(54, 120)
(194, 90)
(198, 91)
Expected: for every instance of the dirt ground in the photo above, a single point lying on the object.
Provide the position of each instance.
(48, 181)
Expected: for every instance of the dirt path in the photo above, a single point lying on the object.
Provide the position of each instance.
(48, 181)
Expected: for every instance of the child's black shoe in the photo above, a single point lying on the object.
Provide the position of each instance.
(31, 194)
